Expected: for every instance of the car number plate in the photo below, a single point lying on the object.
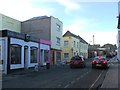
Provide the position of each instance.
(98, 64)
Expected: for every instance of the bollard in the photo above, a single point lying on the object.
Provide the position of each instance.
(47, 65)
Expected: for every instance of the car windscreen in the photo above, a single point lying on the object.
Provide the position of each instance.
(76, 58)
(102, 59)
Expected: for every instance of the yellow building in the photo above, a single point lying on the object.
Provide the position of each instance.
(70, 46)
(73, 45)
(9, 23)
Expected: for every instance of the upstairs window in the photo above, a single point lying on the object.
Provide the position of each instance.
(66, 55)
(58, 27)
(58, 41)
(77, 44)
(66, 43)
(74, 44)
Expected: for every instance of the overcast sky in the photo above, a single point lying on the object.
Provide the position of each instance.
(81, 17)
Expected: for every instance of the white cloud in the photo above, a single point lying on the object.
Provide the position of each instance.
(99, 37)
(82, 28)
(22, 9)
(69, 5)
(81, 25)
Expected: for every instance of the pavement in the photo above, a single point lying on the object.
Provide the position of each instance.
(112, 78)
(23, 72)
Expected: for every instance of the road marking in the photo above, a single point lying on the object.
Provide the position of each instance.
(66, 86)
(72, 82)
(59, 85)
(96, 80)
(77, 78)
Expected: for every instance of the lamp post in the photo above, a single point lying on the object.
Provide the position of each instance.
(93, 40)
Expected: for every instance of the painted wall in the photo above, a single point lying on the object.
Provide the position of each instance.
(9, 23)
(39, 28)
(66, 49)
(0, 21)
(56, 33)
(23, 43)
(3, 54)
(44, 47)
(71, 49)
(84, 49)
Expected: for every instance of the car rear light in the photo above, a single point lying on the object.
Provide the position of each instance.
(104, 62)
(71, 61)
(94, 62)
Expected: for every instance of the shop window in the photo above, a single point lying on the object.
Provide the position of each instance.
(58, 55)
(15, 52)
(33, 54)
(46, 55)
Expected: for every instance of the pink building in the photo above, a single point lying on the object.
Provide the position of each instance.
(44, 52)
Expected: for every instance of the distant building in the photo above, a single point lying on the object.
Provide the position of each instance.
(93, 50)
(9, 23)
(47, 28)
(73, 45)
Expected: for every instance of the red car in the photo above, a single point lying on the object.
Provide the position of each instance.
(77, 61)
(100, 61)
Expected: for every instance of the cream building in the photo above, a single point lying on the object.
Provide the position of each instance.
(73, 45)
(9, 23)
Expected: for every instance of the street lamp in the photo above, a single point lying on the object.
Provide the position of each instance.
(93, 40)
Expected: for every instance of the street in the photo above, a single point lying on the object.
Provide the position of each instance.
(59, 77)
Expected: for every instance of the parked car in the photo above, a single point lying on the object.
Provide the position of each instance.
(77, 61)
(100, 61)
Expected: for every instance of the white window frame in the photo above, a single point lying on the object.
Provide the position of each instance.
(57, 27)
(66, 55)
(66, 43)
(58, 41)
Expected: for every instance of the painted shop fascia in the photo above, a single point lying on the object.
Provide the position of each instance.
(17, 51)
(44, 52)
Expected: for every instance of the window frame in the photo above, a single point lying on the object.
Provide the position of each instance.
(66, 43)
(58, 41)
(67, 55)
(58, 27)
(35, 57)
(17, 58)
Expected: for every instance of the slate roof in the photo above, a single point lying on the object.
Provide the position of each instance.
(68, 33)
(39, 17)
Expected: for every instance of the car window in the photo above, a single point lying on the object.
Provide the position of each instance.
(100, 59)
(76, 58)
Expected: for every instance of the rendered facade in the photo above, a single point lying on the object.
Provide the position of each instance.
(9, 23)
(17, 51)
(47, 28)
(73, 45)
